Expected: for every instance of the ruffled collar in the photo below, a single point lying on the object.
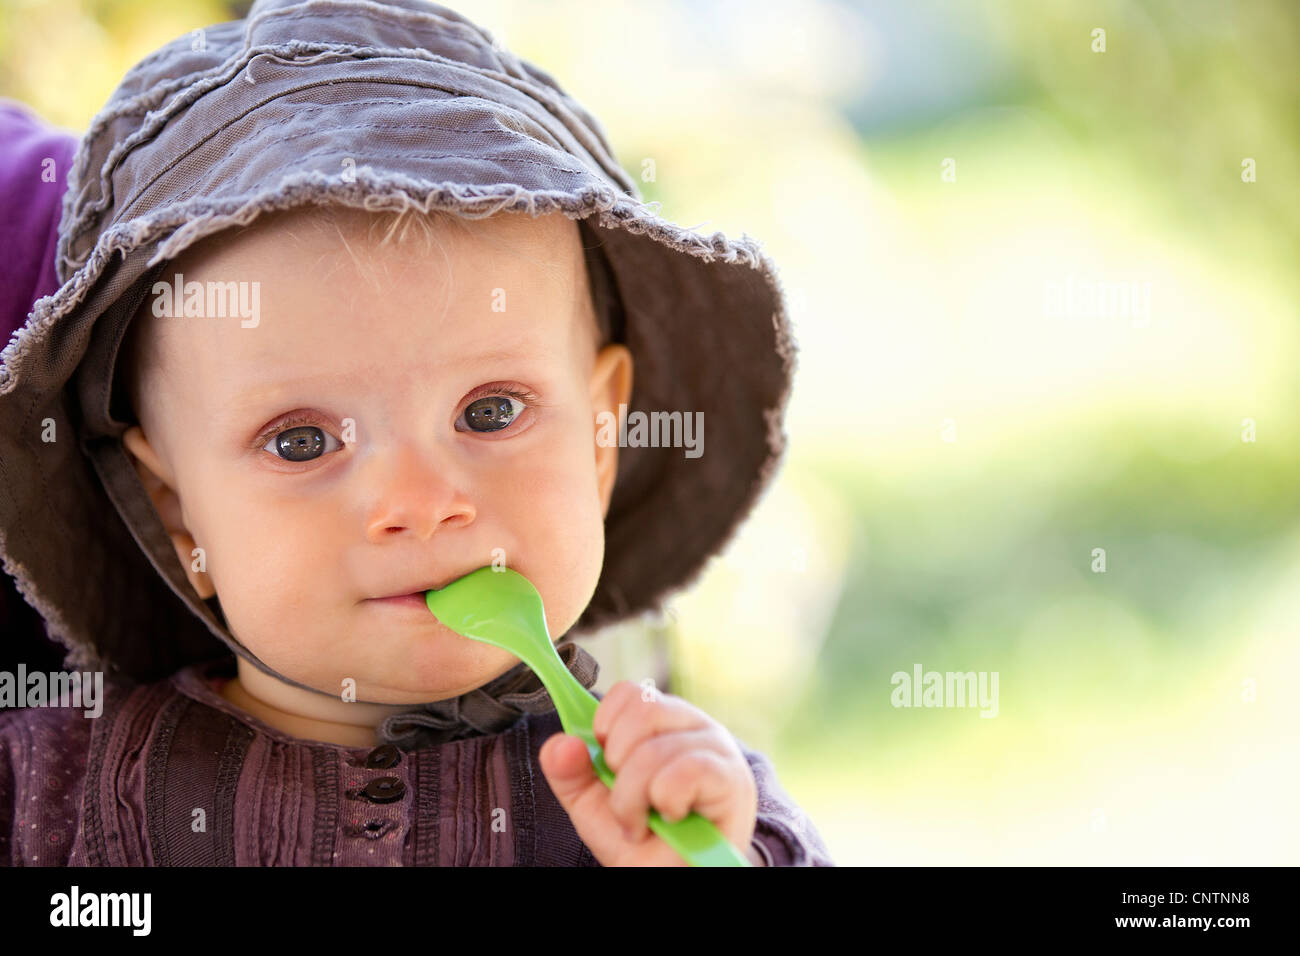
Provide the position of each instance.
(490, 709)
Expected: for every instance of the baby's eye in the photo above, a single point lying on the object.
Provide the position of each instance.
(301, 443)
(492, 413)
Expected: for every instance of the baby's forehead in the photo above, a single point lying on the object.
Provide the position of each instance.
(318, 266)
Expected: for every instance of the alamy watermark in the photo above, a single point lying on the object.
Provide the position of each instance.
(946, 689)
(55, 689)
(75, 908)
(1076, 298)
(208, 300)
(655, 430)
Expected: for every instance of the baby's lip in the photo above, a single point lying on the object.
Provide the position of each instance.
(419, 589)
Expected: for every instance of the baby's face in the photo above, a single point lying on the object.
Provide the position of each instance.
(397, 418)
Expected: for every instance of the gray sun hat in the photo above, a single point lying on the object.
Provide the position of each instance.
(259, 114)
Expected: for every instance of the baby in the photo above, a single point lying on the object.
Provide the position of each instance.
(471, 435)
(333, 408)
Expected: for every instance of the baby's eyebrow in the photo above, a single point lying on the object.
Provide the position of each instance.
(262, 392)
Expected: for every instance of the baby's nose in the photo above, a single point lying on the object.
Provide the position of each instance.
(412, 494)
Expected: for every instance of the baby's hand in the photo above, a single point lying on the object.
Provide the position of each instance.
(667, 754)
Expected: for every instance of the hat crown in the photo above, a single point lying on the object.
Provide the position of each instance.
(383, 24)
(170, 131)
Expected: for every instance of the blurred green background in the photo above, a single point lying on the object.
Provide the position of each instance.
(940, 185)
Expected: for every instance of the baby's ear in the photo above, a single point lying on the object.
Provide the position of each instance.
(160, 485)
(611, 387)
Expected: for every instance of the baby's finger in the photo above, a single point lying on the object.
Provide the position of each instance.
(629, 719)
(583, 795)
(712, 786)
(630, 799)
(568, 771)
(567, 766)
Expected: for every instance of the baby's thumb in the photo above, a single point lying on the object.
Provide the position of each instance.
(567, 767)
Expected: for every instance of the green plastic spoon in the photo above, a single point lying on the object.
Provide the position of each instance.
(501, 607)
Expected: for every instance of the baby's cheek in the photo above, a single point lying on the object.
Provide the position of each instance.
(563, 534)
(263, 584)
(562, 497)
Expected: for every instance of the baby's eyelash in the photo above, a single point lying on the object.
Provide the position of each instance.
(292, 421)
(527, 397)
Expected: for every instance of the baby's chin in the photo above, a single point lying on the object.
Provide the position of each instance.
(445, 667)
(437, 673)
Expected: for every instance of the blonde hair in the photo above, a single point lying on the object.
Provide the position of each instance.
(601, 288)
(398, 223)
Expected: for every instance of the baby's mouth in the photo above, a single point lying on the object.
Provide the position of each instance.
(414, 599)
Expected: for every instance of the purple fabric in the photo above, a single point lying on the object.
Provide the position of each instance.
(34, 162)
(130, 788)
(32, 152)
